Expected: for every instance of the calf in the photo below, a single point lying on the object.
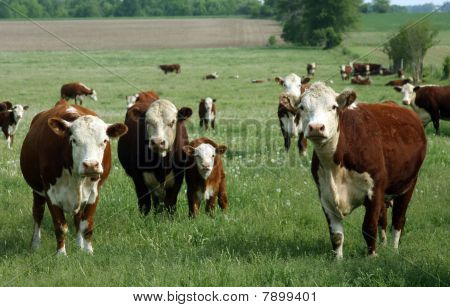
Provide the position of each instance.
(431, 103)
(288, 115)
(363, 154)
(166, 68)
(205, 177)
(65, 159)
(346, 71)
(10, 117)
(212, 76)
(399, 82)
(207, 112)
(361, 81)
(152, 152)
(77, 91)
(311, 69)
(148, 96)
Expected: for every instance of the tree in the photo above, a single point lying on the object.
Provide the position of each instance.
(381, 6)
(410, 45)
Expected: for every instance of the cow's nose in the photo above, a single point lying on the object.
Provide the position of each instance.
(91, 166)
(406, 102)
(316, 128)
(157, 142)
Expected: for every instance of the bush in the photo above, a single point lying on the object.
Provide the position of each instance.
(272, 41)
(446, 68)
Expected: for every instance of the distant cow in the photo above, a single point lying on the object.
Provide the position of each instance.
(401, 73)
(166, 68)
(288, 115)
(148, 96)
(346, 71)
(207, 112)
(257, 81)
(399, 82)
(361, 69)
(363, 154)
(152, 152)
(361, 81)
(431, 103)
(205, 177)
(77, 91)
(10, 116)
(65, 159)
(386, 71)
(212, 76)
(311, 69)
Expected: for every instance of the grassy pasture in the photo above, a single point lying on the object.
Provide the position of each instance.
(275, 233)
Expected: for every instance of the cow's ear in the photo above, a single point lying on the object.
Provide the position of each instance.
(221, 149)
(25, 108)
(287, 101)
(214, 99)
(398, 88)
(184, 113)
(279, 80)
(346, 98)
(189, 150)
(116, 130)
(59, 126)
(416, 88)
(306, 80)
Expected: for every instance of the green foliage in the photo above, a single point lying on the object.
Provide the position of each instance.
(380, 6)
(272, 41)
(446, 68)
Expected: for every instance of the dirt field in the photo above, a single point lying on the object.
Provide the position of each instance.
(136, 33)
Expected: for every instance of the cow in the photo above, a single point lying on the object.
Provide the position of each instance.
(431, 103)
(148, 96)
(398, 82)
(212, 76)
(257, 81)
(205, 176)
(166, 68)
(363, 154)
(311, 69)
(346, 71)
(10, 117)
(288, 115)
(65, 159)
(401, 73)
(361, 81)
(386, 71)
(77, 91)
(361, 69)
(207, 112)
(152, 152)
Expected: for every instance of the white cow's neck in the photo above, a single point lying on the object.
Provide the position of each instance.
(325, 151)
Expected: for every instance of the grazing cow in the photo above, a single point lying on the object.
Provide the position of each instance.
(77, 91)
(363, 154)
(288, 115)
(399, 82)
(361, 69)
(311, 69)
(65, 159)
(212, 76)
(166, 68)
(431, 103)
(10, 116)
(148, 96)
(207, 112)
(386, 72)
(205, 177)
(346, 71)
(361, 81)
(401, 74)
(152, 152)
(257, 81)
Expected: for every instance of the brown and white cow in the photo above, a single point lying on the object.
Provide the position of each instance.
(152, 152)
(77, 91)
(65, 159)
(346, 71)
(363, 154)
(10, 117)
(205, 176)
(361, 69)
(398, 82)
(431, 103)
(361, 81)
(212, 76)
(288, 115)
(207, 112)
(166, 68)
(401, 73)
(311, 69)
(148, 96)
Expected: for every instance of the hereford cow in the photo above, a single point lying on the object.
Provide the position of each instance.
(311, 69)
(361, 69)
(65, 159)
(77, 91)
(148, 96)
(166, 68)
(287, 113)
(212, 76)
(431, 103)
(10, 116)
(401, 74)
(346, 71)
(399, 82)
(152, 152)
(363, 154)
(205, 177)
(361, 81)
(207, 112)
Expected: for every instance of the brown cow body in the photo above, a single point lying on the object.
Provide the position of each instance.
(212, 76)
(77, 91)
(211, 186)
(207, 112)
(365, 69)
(311, 69)
(399, 82)
(166, 68)
(346, 72)
(361, 81)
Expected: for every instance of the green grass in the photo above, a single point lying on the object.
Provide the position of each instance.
(275, 233)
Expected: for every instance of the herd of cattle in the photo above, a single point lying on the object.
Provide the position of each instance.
(366, 154)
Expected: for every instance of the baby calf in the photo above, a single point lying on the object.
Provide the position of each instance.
(205, 176)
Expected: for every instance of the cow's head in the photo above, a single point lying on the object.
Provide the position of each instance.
(93, 95)
(205, 155)
(319, 110)
(208, 102)
(131, 100)
(409, 92)
(88, 136)
(18, 110)
(291, 84)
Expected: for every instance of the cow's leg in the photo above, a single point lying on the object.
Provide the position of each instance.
(336, 230)
(371, 218)
(399, 213)
(201, 122)
(77, 220)
(222, 195)
(302, 144)
(170, 200)
(12, 140)
(211, 204)
(8, 141)
(87, 226)
(194, 203)
(382, 224)
(143, 195)
(38, 214)
(435, 118)
(206, 124)
(287, 140)
(60, 225)
(213, 124)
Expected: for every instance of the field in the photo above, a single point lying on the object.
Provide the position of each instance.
(275, 233)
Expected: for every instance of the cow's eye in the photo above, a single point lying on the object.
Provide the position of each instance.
(172, 123)
(302, 108)
(105, 141)
(334, 107)
(73, 142)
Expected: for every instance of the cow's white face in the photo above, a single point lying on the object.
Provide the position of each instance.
(292, 85)
(88, 137)
(160, 121)
(18, 111)
(408, 93)
(94, 95)
(208, 106)
(204, 159)
(131, 100)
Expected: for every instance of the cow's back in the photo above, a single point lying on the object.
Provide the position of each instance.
(434, 97)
